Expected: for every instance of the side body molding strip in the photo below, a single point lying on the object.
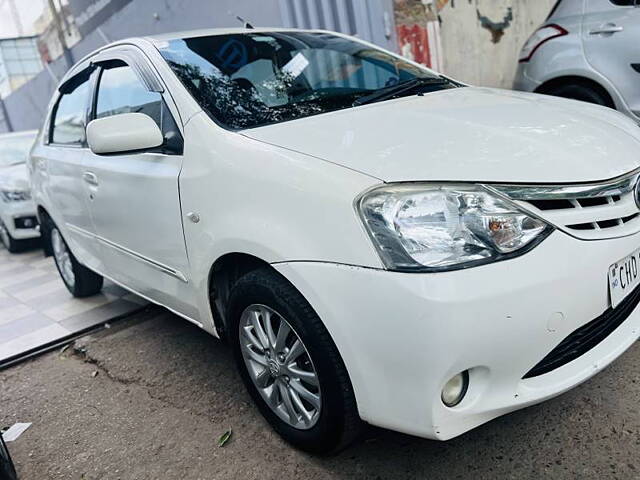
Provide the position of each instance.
(141, 258)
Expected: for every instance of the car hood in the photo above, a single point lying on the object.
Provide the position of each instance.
(15, 177)
(469, 134)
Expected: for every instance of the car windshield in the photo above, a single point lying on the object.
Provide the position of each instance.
(252, 79)
(15, 148)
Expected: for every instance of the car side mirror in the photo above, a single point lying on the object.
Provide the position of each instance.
(126, 132)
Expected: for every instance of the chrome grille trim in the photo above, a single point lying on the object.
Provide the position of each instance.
(617, 186)
(591, 211)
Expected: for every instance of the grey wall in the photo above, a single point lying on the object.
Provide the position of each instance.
(27, 105)
(472, 53)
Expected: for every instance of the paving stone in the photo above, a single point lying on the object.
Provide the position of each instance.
(36, 308)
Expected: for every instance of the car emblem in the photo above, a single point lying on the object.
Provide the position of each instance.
(274, 368)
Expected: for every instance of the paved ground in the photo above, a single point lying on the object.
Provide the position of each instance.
(165, 391)
(36, 308)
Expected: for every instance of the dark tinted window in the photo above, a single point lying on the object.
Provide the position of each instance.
(252, 79)
(624, 3)
(121, 91)
(69, 117)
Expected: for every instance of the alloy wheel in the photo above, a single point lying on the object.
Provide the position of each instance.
(280, 366)
(63, 257)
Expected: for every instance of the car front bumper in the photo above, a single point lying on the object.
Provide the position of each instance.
(10, 211)
(403, 335)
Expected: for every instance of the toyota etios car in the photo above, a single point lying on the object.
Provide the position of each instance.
(376, 242)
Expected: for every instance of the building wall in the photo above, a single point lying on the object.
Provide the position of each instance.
(19, 62)
(481, 39)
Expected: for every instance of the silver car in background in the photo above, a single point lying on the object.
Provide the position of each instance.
(586, 50)
(18, 222)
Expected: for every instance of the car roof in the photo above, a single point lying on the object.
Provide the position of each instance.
(158, 40)
(165, 37)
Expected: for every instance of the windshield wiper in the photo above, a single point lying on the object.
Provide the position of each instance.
(399, 88)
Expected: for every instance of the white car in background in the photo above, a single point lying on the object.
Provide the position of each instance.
(18, 222)
(586, 50)
(375, 241)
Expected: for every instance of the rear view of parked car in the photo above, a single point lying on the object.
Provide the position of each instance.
(376, 241)
(18, 222)
(586, 50)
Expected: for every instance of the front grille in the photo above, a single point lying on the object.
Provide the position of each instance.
(586, 337)
(588, 211)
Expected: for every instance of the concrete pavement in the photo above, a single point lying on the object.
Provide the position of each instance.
(165, 391)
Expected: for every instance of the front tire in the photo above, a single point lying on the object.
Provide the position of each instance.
(10, 243)
(79, 280)
(290, 365)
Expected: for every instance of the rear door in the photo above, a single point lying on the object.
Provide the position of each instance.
(134, 197)
(611, 38)
(59, 167)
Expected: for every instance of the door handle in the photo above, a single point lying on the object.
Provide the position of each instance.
(607, 28)
(90, 178)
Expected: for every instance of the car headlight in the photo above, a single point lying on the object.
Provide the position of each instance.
(15, 195)
(429, 227)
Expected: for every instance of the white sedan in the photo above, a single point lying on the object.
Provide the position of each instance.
(376, 242)
(18, 221)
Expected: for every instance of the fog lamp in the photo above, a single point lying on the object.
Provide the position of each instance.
(455, 389)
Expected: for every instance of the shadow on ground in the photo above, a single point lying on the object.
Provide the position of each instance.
(164, 391)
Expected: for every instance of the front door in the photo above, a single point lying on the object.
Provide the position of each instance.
(135, 200)
(611, 38)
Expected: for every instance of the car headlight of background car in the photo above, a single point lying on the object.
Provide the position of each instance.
(15, 195)
(436, 227)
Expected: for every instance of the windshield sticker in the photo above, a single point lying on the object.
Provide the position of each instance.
(233, 54)
(296, 65)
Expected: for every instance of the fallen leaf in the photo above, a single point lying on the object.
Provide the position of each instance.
(224, 438)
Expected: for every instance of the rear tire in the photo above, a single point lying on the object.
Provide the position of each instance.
(79, 280)
(335, 423)
(584, 93)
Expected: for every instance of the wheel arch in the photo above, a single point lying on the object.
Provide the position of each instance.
(549, 85)
(223, 273)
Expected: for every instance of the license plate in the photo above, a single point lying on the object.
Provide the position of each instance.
(624, 276)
